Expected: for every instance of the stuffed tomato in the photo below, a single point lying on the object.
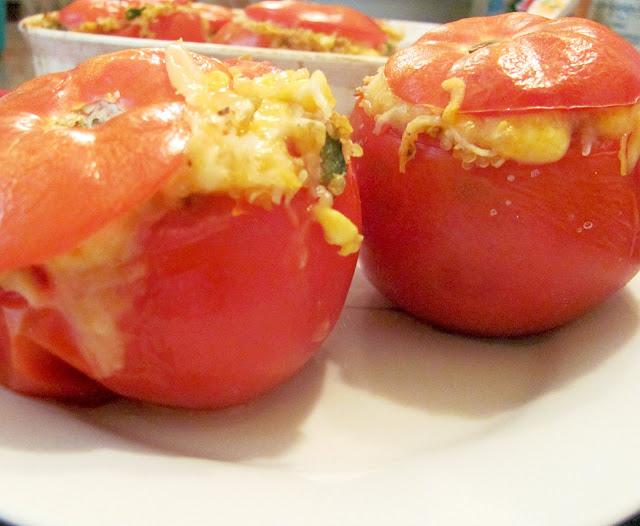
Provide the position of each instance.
(308, 26)
(174, 229)
(500, 179)
(162, 19)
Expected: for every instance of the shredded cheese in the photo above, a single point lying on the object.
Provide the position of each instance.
(536, 138)
(241, 131)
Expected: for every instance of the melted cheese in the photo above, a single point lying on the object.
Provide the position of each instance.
(534, 138)
(87, 283)
(241, 129)
(338, 230)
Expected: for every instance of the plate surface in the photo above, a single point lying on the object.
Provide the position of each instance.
(393, 423)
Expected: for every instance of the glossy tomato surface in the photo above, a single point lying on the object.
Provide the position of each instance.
(219, 301)
(512, 250)
(85, 176)
(519, 62)
(495, 251)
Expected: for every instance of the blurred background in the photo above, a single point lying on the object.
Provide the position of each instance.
(427, 10)
(622, 15)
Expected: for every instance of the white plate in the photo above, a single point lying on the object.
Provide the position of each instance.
(393, 424)
(55, 50)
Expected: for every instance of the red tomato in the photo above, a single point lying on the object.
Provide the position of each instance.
(193, 22)
(234, 298)
(330, 19)
(149, 136)
(511, 250)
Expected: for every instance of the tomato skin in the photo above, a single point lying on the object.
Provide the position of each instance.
(206, 326)
(495, 251)
(329, 19)
(230, 328)
(533, 64)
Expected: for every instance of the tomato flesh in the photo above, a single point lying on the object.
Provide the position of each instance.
(495, 251)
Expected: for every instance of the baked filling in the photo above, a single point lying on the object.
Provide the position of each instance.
(539, 137)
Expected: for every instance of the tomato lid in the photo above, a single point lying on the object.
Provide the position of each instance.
(519, 62)
(60, 183)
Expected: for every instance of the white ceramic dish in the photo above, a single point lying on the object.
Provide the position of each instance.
(53, 50)
(394, 423)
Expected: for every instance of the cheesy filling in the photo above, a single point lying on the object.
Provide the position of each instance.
(534, 138)
(257, 140)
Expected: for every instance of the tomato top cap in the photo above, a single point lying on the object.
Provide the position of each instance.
(519, 62)
(86, 145)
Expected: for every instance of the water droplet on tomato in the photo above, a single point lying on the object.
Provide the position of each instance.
(535, 173)
(508, 202)
(511, 178)
(493, 212)
(588, 225)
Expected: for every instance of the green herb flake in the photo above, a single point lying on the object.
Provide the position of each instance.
(333, 162)
(133, 12)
